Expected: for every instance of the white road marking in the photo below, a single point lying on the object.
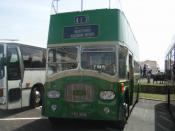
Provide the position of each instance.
(14, 119)
(39, 108)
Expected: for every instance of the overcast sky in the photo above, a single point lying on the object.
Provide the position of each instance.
(152, 21)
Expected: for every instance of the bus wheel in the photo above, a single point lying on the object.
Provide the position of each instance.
(35, 97)
(126, 105)
(126, 111)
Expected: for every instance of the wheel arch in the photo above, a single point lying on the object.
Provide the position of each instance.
(40, 87)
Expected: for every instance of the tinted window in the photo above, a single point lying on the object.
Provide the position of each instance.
(13, 64)
(33, 57)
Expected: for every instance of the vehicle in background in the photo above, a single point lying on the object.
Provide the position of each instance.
(22, 75)
(170, 77)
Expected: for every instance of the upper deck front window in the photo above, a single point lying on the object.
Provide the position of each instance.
(102, 59)
(62, 58)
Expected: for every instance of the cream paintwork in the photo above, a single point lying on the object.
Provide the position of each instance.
(12, 85)
(91, 73)
(33, 77)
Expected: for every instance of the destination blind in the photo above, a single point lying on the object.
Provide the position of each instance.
(81, 31)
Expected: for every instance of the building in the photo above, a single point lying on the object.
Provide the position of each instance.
(150, 65)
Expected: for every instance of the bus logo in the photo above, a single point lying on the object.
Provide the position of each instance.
(80, 19)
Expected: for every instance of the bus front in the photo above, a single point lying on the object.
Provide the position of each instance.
(84, 55)
(80, 82)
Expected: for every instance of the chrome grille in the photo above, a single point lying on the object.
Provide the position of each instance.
(79, 93)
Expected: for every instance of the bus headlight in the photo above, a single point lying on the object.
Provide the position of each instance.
(107, 95)
(53, 94)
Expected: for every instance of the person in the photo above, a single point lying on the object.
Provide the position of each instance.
(149, 75)
(144, 70)
(141, 71)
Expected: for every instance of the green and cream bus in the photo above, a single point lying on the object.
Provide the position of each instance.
(22, 75)
(92, 70)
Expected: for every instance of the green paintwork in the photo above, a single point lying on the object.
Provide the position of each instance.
(93, 109)
(112, 26)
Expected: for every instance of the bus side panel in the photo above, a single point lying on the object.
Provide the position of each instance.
(31, 78)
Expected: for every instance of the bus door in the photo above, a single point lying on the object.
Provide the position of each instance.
(13, 77)
(131, 77)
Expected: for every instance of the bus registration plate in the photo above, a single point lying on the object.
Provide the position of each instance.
(79, 114)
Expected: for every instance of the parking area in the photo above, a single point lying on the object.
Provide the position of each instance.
(146, 116)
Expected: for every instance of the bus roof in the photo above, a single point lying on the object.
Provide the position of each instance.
(20, 44)
(91, 26)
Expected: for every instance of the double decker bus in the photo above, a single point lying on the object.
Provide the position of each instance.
(170, 77)
(22, 75)
(92, 70)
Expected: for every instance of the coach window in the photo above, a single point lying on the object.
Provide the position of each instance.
(33, 57)
(13, 64)
(1, 61)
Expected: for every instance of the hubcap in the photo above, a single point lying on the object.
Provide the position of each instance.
(37, 96)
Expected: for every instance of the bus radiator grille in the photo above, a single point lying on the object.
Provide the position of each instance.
(79, 93)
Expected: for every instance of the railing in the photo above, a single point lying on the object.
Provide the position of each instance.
(60, 6)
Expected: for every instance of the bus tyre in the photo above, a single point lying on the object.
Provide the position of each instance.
(36, 97)
(126, 105)
(126, 111)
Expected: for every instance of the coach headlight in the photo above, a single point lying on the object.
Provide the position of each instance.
(107, 95)
(53, 94)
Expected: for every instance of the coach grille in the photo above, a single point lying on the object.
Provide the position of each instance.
(79, 93)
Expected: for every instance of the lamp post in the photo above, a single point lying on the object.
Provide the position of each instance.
(109, 4)
(81, 5)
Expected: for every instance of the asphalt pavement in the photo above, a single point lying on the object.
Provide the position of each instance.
(145, 116)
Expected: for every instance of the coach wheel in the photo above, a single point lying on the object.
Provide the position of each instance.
(36, 97)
